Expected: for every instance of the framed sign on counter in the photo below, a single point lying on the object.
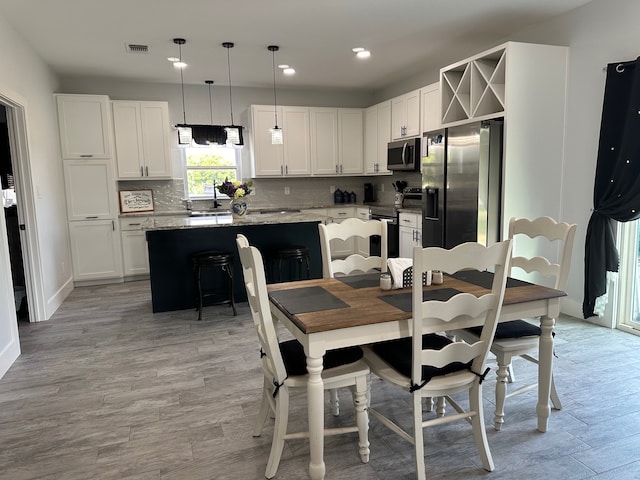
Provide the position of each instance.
(136, 201)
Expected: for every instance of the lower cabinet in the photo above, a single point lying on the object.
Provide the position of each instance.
(410, 233)
(135, 254)
(95, 250)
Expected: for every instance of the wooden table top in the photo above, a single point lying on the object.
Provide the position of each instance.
(364, 306)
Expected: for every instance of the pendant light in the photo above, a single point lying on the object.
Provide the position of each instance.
(276, 132)
(184, 131)
(234, 132)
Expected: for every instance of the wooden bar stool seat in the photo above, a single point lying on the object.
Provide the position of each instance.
(213, 258)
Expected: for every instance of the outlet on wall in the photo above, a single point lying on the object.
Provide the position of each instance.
(332, 188)
(287, 191)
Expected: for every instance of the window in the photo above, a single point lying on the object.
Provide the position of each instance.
(207, 166)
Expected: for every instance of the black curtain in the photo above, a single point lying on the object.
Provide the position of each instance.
(616, 194)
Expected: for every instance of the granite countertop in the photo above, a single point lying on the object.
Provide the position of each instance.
(186, 222)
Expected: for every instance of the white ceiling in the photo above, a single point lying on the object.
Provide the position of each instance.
(88, 37)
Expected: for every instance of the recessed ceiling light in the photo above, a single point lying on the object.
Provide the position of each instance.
(283, 66)
(173, 59)
(363, 54)
(288, 71)
(179, 64)
(357, 49)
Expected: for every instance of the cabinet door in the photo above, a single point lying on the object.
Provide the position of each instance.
(371, 140)
(84, 126)
(384, 134)
(267, 158)
(90, 189)
(407, 241)
(324, 141)
(412, 109)
(297, 144)
(135, 254)
(398, 117)
(95, 250)
(350, 141)
(154, 119)
(128, 139)
(430, 107)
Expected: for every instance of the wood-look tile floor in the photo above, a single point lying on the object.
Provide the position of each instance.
(107, 390)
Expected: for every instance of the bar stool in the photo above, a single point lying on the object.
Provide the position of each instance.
(292, 254)
(213, 258)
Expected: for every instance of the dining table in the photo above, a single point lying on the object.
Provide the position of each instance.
(328, 313)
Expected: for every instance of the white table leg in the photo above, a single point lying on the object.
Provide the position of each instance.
(315, 398)
(545, 366)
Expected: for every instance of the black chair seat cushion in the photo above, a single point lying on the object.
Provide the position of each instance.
(295, 360)
(397, 353)
(512, 329)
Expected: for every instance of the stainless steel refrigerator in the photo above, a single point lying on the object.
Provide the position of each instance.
(461, 180)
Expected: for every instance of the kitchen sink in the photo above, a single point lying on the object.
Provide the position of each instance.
(209, 213)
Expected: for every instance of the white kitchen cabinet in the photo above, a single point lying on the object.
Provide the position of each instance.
(526, 85)
(405, 115)
(293, 157)
(377, 135)
(95, 250)
(362, 244)
(410, 230)
(337, 146)
(430, 107)
(90, 189)
(141, 132)
(341, 248)
(84, 126)
(135, 254)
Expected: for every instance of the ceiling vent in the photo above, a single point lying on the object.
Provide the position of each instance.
(137, 48)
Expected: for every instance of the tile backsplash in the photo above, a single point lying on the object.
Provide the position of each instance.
(169, 195)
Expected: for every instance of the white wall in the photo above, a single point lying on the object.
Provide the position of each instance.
(26, 80)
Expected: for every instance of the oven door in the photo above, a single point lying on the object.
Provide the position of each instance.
(393, 238)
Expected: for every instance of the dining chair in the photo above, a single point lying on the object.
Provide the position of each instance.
(433, 365)
(352, 228)
(520, 338)
(285, 370)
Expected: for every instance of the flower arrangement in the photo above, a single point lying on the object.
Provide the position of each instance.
(235, 189)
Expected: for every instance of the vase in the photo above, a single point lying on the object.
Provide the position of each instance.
(238, 208)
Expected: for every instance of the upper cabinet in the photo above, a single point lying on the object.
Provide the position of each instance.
(90, 189)
(430, 107)
(336, 141)
(377, 134)
(474, 88)
(405, 115)
(84, 126)
(293, 157)
(142, 140)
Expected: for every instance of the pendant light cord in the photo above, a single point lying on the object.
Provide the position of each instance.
(275, 102)
(209, 82)
(230, 100)
(184, 112)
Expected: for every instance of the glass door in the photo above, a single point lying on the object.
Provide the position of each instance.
(628, 317)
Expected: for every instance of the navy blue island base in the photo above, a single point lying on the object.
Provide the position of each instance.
(172, 283)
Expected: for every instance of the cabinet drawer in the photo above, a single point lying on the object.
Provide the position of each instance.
(341, 213)
(363, 213)
(409, 220)
(135, 223)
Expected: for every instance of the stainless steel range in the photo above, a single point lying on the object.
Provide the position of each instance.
(389, 214)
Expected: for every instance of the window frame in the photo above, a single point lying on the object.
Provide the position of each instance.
(237, 167)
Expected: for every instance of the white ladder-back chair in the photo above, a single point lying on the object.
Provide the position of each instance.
(352, 228)
(284, 367)
(431, 365)
(520, 337)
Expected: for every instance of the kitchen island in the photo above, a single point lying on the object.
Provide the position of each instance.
(171, 241)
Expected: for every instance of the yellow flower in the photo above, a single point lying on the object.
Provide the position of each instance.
(239, 193)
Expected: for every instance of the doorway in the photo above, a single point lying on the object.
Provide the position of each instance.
(11, 216)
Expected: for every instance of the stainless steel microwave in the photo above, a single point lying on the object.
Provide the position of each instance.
(404, 154)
